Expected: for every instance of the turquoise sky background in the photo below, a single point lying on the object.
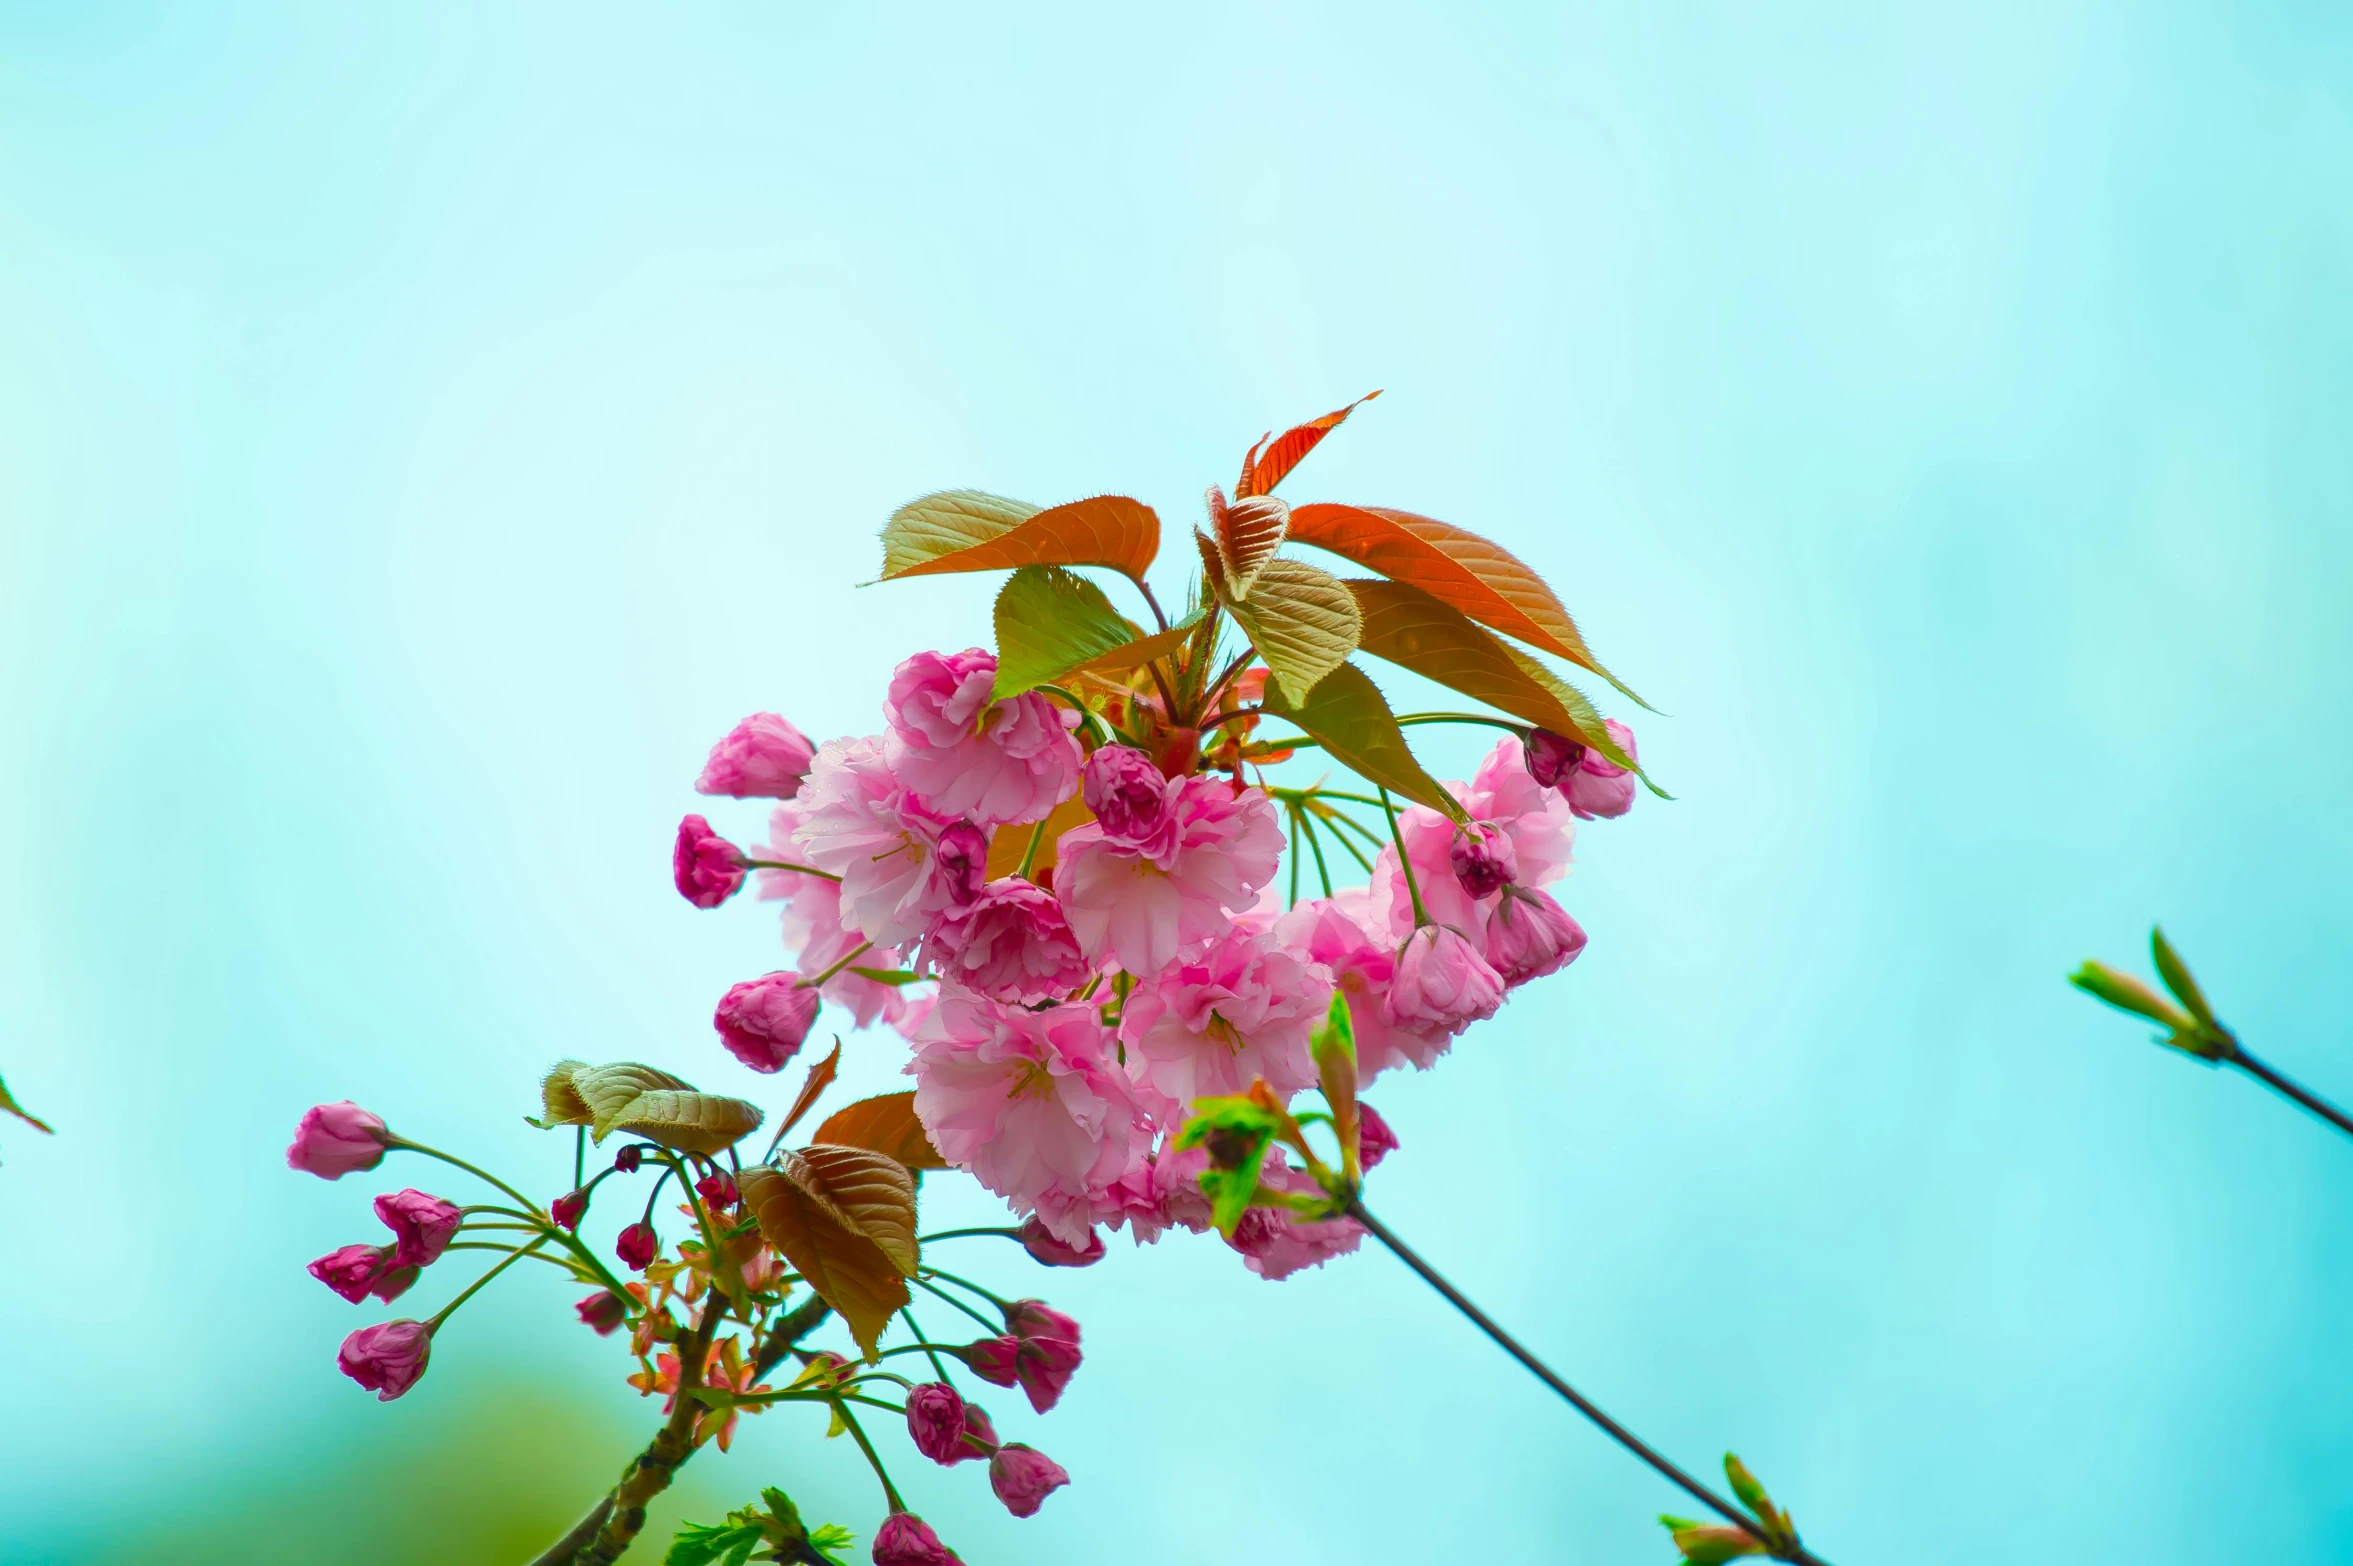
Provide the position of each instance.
(422, 434)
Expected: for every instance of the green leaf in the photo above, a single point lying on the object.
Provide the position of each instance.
(9, 1103)
(1135, 654)
(2127, 993)
(1237, 1131)
(936, 527)
(1304, 623)
(828, 1539)
(699, 1544)
(1347, 717)
(2177, 978)
(1049, 622)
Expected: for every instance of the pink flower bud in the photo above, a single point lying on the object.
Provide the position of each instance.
(1442, 982)
(905, 1539)
(1530, 936)
(393, 1282)
(762, 1021)
(1599, 788)
(937, 1422)
(387, 1358)
(637, 1245)
(706, 866)
(349, 1270)
(962, 857)
(718, 1190)
(335, 1139)
(425, 1226)
(1126, 792)
(1483, 859)
(762, 757)
(1039, 1353)
(567, 1210)
(1374, 1140)
(628, 1159)
(1551, 757)
(1023, 1477)
(604, 1310)
(1042, 1243)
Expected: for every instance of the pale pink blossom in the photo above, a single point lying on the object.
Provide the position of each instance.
(1140, 906)
(1275, 1244)
(763, 1021)
(1011, 943)
(705, 866)
(1522, 818)
(965, 755)
(858, 822)
(1163, 1192)
(1599, 787)
(1529, 935)
(386, 1358)
(761, 757)
(1442, 981)
(813, 927)
(1347, 936)
(337, 1139)
(1031, 1103)
(1241, 1008)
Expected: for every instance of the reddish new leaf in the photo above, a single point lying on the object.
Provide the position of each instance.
(1460, 569)
(1248, 532)
(884, 1125)
(1273, 457)
(964, 530)
(820, 1078)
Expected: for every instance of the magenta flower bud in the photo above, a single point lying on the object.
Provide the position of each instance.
(905, 1539)
(637, 1245)
(425, 1226)
(936, 1423)
(1374, 1140)
(604, 1310)
(963, 860)
(387, 1358)
(336, 1139)
(1484, 860)
(628, 1160)
(1023, 1477)
(1125, 790)
(349, 1270)
(1530, 936)
(718, 1190)
(762, 1021)
(1599, 788)
(568, 1209)
(1042, 1243)
(1442, 982)
(1039, 1353)
(1551, 757)
(393, 1282)
(762, 757)
(706, 866)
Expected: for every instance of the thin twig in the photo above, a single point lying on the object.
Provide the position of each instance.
(2290, 1088)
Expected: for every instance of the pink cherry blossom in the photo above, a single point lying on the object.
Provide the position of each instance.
(1142, 907)
(1442, 981)
(1347, 936)
(336, 1139)
(905, 1539)
(937, 1425)
(1529, 935)
(1023, 1477)
(1031, 1103)
(602, 1311)
(1520, 817)
(1599, 787)
(637, 1246)
(424, 1224)
(1242, 1008)
(706, 867)
(1163, 1192)
(387, 1358)
(763, 1021)
(965, 755)
(350, 1270)
(1551, 757)
(813, 927)
(1275, 1244)
(1374, 1140)
(1483, 859)
(761, 757)
(858, 822)
(1011, 943)
(1127, 794)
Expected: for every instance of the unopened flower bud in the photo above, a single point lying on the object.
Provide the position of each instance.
(637, 1246)
(706, 867)
(1551, 757)
(604, 1310)
(425, 1226)
(1442, 981)
(1530, 936)
(386, 1358)
(1599, 788)
(1125, 791)
(936, 1423)
(568, 1209)
(336, 1139)
(763, 757)
(1374, 1140)
(349, 1270)
(1043, 1244)
(630, 1158)
(905, 1539)
(762, 1021)
(1023, 1477)
(1484, 860)
(1039, 1353)
(718, 1190)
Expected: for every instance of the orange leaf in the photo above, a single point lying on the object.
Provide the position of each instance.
(1269, 460)
(885, 1125)
(1008, 843)
(1248, 533)
(963, 530)
(1460, 569)
(844, 1219)
(820, 1078)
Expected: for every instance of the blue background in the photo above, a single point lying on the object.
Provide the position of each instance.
(421, 435)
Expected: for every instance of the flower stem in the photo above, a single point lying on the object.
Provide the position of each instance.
(930, 1349)
(451, 1159)
(1666, 1468)
(966, 1283)
(434, 1321)
(994, 1328)
(778, 864)
(1421, 915)
(966, 1234)
(810, 984)
(890, 1491)
(2289, 1088)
